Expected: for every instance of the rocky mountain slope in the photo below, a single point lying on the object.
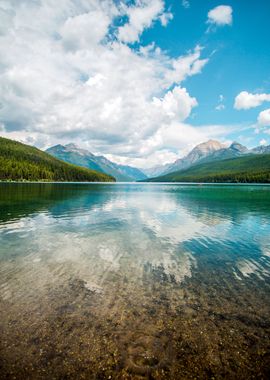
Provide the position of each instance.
(81, 157)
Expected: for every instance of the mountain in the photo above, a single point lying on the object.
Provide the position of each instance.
(209, 151)
(233, 151)
(81, 157)
(261, 149)
(248, 168)
(19, 162)
(196, 154)
(73, 155)
(157, 170)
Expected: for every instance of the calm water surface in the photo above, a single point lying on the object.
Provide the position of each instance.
(134, 281)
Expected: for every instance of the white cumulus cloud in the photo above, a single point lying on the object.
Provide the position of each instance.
(220, 15)
(140, 17)
(79, 32)
(66, 77)
(264, 118)
(246, 100)
(176, 104)
(187, 65)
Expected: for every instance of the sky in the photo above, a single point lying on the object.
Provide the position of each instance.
(141, 82)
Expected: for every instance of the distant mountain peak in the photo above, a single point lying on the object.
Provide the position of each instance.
(211, 141)
(238, 147)
(202, 150)
(71, 146)
(55, 148)
(261, 149)
(210, 145)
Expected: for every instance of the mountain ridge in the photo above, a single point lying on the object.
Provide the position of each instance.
(250, 168)
(209, 151)
(73, 154)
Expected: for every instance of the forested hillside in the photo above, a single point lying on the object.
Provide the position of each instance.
(253, 168)
(21, 162)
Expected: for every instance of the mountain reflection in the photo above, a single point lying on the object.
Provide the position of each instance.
(106, 227)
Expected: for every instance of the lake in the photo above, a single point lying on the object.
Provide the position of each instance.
(134, 281)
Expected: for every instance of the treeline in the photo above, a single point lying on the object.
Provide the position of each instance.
(263, 177)
(21, 162)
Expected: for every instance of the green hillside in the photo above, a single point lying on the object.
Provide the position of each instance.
(20, 162)
(254, 168)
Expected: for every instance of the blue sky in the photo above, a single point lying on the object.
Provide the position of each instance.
(240, 58)
(140, 81)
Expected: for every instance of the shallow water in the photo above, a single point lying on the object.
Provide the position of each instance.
(134, 281)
